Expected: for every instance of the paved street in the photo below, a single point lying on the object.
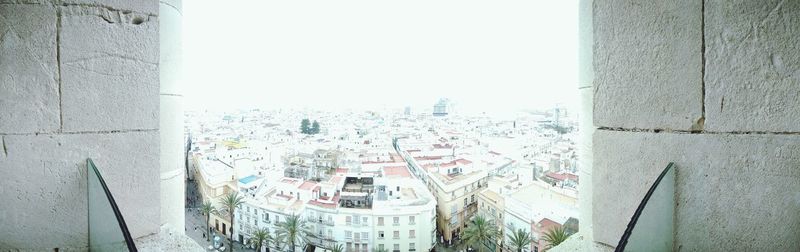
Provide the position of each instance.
(195, 222)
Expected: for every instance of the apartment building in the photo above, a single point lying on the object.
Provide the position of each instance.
(360, 211)
(454, 181)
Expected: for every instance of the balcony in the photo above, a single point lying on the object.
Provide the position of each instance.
(651, 227)
(108, 230)
(321, 221)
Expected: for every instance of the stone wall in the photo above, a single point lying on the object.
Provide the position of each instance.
(712, 86)
(78, 79)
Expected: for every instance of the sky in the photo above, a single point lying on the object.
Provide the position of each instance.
(484, 55)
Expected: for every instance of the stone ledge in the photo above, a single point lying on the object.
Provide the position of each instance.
(165, 241)
(578, 242)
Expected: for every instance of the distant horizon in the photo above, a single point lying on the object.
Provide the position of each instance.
(491, 57)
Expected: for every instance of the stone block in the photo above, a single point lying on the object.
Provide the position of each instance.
(733, 192)
(109, 74)
(752, 66)
(142, 6)
(28, 69)
(45, 186)
(647, 64)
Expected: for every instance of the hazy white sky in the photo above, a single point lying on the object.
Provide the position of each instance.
(488, 55)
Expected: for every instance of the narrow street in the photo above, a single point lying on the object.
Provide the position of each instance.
(195, 221)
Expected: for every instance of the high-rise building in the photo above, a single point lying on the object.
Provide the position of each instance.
(441, 107)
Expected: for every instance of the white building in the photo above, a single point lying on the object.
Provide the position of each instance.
(390, 210)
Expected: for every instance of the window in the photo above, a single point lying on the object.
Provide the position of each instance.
(396, 221)
(411, 220)
(356, 220)
(357, 237)
(412, 247)
(255, 211)
(380, 221)
(266, 217)
(473, 198)
(396, 235)
(364, 220)
(465, 202)
(349, 246)
(255, 221)
(348, 220)
(398, 188)
(412, 234)
(380, 235)
(380, 247)
(396, 248)
(365, 236)
(248, 209)
(348, 234)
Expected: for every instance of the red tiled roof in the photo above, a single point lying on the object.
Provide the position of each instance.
(335, 179)
(341, 170)
(463, 161)
(428, 158)
(547, 224)
(307, 185)
(325, 204)
(396, 171)
(562, 176)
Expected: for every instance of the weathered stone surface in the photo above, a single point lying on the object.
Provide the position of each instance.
(752, 65)
(28, 69)
(734, 192)
(166, 240)
(143, 6)
(44, 190)
(172, 162)
(109, 73)
(171, 50)
(647, 64)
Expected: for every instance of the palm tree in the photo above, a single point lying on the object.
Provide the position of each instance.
(479, 232)
(292, 229)
(337, 248)
(555, 236)
(232, 201)
(520, 239)
(259, 237)
(207, 209)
